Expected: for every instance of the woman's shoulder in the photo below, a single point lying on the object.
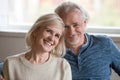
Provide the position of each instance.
(14, 57)
(61, 60)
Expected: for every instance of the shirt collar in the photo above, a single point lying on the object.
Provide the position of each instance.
(87, 36)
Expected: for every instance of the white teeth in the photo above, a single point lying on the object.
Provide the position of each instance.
(48, 43)
(72, 35)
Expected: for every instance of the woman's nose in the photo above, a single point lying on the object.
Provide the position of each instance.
(52, 37)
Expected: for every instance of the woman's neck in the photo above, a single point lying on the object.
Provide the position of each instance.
(37, 58)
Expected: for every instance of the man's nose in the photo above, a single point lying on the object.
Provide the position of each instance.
(71, 30)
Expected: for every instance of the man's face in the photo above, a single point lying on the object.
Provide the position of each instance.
(75, 27)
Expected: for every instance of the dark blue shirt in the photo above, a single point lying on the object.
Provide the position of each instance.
(1, 66)
(95, 59)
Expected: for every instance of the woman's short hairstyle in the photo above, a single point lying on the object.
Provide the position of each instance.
(43, 21)
(67, 7)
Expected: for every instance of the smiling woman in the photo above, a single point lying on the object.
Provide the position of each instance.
(43, 60)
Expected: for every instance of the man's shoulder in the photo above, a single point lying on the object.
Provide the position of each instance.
(99, 36)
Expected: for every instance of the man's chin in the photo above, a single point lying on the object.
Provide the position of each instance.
(73, 43)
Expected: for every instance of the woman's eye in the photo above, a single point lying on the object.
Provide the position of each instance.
(57, 35)
(48, 30)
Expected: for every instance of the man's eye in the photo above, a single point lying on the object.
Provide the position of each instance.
(66, 26)
(75, 25)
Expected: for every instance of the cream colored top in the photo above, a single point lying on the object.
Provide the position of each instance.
(19, 68)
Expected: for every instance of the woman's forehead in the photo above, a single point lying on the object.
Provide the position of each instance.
(56, 29)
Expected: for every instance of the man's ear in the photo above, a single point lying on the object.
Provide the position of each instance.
(85, 22)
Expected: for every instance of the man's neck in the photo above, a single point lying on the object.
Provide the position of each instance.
(75, 48)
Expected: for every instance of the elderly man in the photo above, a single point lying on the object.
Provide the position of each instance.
(91, 56)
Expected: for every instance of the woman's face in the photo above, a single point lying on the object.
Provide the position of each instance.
(48, 37)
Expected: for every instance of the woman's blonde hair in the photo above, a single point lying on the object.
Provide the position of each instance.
(43, 21)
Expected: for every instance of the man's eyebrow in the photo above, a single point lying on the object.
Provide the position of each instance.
(75, 23)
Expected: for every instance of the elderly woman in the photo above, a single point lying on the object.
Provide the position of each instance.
(43, 60)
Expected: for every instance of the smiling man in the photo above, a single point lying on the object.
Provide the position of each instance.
(91, 56)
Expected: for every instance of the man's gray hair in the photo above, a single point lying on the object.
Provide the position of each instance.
(67, 7)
